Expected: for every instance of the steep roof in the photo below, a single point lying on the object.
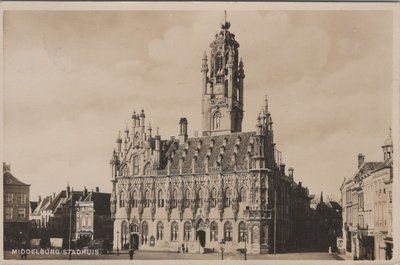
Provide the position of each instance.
(218, 144)
(366, 167)
(56, 201)
(42, 205)
(9, 179)
(101, 201)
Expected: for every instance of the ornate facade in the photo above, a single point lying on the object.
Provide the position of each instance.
(192, 193)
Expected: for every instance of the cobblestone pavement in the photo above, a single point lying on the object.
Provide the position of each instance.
(153, 255)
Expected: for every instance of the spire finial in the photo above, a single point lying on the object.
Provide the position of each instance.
(226, 24)
(266, 103)
(224, 16)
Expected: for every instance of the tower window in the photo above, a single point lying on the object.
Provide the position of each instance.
(218, 63)
(217, 120)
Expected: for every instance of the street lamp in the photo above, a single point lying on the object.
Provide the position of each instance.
(222, 246)
(117, 242)
(245, 246)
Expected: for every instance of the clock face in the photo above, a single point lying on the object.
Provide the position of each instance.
(9, 181)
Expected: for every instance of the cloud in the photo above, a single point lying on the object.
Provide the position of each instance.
(73, 79)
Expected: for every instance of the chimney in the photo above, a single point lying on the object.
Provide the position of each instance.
(6, 167)
(282, 168)
(85, 192)
(39, 199)
(291, 172)
(97, 189)
(54, 195)
(360, 160)
(196, 134)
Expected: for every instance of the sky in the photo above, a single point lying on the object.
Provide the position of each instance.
(73, 79)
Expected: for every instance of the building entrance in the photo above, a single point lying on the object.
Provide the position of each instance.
(134, 241)
(201, 236)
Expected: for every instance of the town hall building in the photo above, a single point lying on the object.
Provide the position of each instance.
(226, 188)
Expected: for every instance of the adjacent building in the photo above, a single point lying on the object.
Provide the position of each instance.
(325, 224)
(16, 210)
(93, 218)
(226, 188)
(367, 207)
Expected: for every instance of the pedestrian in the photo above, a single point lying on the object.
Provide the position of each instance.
(24, 254)
(131, 251)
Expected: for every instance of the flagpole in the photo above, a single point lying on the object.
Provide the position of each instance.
(70, 225)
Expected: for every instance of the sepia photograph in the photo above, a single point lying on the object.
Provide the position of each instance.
(199, 132)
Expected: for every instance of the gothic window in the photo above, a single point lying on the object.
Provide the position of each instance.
(147, 199)
(134, 199)
(213, 197)
(255, 234)
(160, 230)
(217, 120)
(160, 198)
(188, 231)
(187, 198)
(218, 63)
(147, 170)
(136, 165)
(228, 231)
(228, 197)
(121, 199)
(174, 231)
(243, 195)
(201, 198)
(134, 228)
(214, 231)
(242, 232)
(124, 233)
(174, 199)
(145, 232)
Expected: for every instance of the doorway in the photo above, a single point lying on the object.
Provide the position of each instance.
(201, 236)
(134, 241)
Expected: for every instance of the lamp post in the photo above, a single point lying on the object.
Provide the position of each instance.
(222, 246)
(117, 242)
(245, 246)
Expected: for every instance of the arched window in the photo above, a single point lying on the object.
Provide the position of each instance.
(218, 62)
(147, 199)
(187, 198)
(124, 233)
(228, 197)
(213, 197)
(188, 231)
(121, 199)
(214, 231)
(242, 232)
(201, 198)
(134, 199)
(134, 228)
(147, 169)
(228, 231)
(160, 230)
(217, 120)
(145, 232)
(243, 195)
(160, 198)
(174, 231)
(255, 234)
(174, 199)
(136, 165)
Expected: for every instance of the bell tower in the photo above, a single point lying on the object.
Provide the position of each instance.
(222, 93)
